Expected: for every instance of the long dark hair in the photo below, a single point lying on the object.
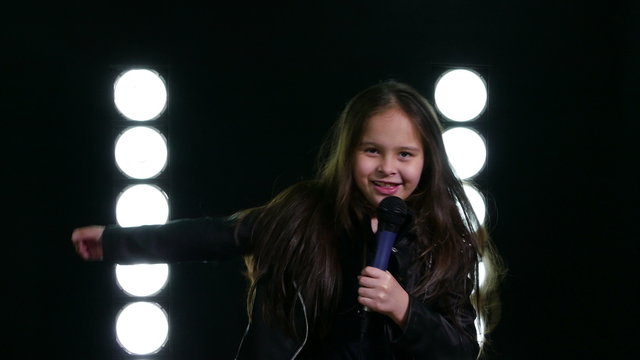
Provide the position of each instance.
(295, 248)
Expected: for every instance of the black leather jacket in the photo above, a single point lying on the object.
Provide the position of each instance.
(427, 335)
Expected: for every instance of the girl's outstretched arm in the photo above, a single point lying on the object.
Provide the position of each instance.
(199, 239)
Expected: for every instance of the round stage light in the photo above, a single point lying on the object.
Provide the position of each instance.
(460, 95)
(142, 279)
(466, 151)
(141, 152)
(142, 328)
(477, 201)
(140, 94)
(142, 204)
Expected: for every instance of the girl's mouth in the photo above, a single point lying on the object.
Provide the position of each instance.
(385, 188)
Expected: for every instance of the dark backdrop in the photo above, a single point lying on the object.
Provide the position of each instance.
(252, 91)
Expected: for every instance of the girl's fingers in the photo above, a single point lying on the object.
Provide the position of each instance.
(373, 272)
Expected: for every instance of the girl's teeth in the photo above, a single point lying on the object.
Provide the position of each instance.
(385, 184)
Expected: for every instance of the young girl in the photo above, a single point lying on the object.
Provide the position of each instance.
(307, 251)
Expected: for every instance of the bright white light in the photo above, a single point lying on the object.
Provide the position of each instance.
(142, 205)
(477, 202)
(142, 328)
(466, 150)
(142, 279)
(141, 152)
(460, 95)
(140, 94)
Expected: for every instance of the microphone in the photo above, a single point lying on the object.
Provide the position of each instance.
(391, 213)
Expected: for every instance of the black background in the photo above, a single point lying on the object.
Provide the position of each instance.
(253, 90)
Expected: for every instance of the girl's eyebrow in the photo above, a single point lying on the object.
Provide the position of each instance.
(410, 148)
(403, 148)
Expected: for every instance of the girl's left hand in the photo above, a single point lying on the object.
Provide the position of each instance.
(380, 291)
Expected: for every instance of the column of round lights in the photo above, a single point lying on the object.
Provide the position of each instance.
(140, 96)
(461, 98)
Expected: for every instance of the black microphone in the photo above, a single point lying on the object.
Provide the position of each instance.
(392, 214)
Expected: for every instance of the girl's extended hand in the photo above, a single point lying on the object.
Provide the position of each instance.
(380, 291)
(88, 242)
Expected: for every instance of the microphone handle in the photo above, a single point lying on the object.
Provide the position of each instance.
(386, 239)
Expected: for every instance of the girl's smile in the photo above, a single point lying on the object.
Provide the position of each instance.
(385, 187)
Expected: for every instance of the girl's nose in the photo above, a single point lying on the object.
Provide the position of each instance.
(387, 166)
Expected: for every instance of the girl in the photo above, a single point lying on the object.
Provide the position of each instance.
(307, 250)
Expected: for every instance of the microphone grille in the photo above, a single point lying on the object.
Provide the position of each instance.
(392, 212)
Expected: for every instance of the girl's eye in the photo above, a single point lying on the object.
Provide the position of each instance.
(405, 154)
(371, 150)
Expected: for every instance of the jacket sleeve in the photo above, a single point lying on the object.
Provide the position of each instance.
(201, 239)
(429, 335)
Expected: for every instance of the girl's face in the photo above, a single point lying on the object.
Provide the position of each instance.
(389, 158)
